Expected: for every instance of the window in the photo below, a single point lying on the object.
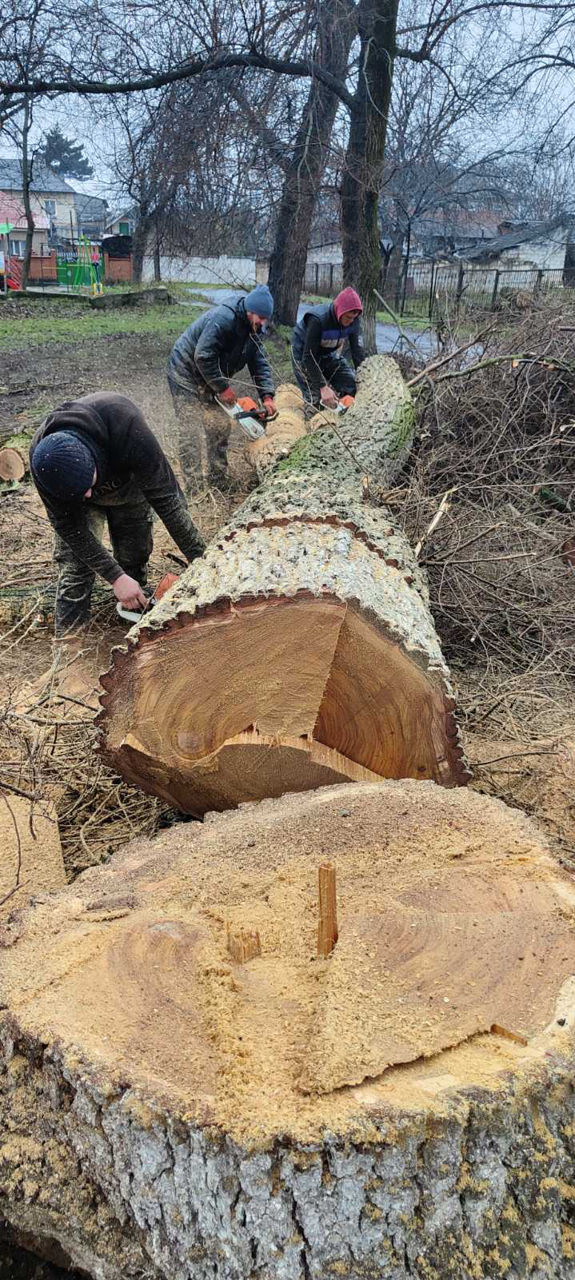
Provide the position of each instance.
(124, 229)
(17, 248)
(50, 207)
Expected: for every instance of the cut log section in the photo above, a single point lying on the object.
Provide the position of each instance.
(187, 1092)
(300, 650)
(281, 433)
(12, 464)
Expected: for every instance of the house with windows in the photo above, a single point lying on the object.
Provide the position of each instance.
(51, 196)
(13, 214)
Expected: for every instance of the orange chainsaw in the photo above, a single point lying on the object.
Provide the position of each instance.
(164, 585)
(248, 415)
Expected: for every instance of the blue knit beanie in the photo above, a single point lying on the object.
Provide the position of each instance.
(63, 465)
(260, 301)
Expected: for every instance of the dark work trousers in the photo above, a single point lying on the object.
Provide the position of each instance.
(203, 437)
(336, 371)
(129, 518)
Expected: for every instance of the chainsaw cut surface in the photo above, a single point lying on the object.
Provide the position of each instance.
(452, 920)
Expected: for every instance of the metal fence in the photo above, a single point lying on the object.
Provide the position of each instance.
(432, 289)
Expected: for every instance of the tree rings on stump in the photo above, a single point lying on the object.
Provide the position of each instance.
(400, 1108)
(12, 464)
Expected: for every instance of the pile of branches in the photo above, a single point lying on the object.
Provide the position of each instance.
(490, 503)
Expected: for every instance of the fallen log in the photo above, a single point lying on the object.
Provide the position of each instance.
(174, 1107)
(300, 650)
(281, 433)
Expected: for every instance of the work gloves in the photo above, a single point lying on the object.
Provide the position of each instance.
(270, 406)
(227, 397)
(328, 397)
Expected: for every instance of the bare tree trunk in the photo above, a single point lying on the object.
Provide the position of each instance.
(305, 170)
(139, 240)
(26, 181)
(157, 262)
(364, 160)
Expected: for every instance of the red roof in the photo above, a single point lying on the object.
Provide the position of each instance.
(13, 212)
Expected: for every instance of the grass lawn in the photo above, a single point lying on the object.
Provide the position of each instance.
(24, 325)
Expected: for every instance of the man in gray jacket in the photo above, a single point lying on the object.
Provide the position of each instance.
(220, 343)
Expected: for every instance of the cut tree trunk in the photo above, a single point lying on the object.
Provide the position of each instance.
(176, 1107)
(300, 650)
(13, 463)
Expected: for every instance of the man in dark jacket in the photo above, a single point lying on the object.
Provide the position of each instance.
(95, 460)
(318, 340)
(201, 364)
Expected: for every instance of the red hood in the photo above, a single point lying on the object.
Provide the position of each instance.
(347, 300)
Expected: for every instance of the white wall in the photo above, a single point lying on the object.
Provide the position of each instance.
(546, 253)
(234, 272)
(326, 253)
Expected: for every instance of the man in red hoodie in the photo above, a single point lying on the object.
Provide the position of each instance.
(318, 340)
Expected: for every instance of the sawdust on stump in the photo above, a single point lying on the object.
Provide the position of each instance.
(455, 953)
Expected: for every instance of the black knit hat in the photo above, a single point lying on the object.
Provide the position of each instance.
(63, 465)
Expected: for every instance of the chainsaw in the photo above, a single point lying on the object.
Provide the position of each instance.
(249, 417)
(131, 615)
(345, 403)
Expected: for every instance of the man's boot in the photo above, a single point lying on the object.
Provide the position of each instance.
(217, 438)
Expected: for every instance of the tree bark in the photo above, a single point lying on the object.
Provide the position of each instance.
(26, 181)
(139, 241)
(363, 172)
(300, 650)
(305, 169)
(152, 1115)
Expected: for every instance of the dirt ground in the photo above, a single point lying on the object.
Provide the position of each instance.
(52, 747)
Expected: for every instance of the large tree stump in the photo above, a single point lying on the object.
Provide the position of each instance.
(400, 1109)
(300, 650)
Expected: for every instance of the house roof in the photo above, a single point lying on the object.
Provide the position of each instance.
(44, 180)
(125, 215)
(460, 223)
(12, 211)
(512, 239)
(90, 208)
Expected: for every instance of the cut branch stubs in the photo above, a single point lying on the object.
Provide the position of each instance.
(300, 649)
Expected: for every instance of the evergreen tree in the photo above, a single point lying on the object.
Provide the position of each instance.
(64, 156)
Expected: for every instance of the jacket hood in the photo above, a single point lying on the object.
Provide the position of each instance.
(347, 300)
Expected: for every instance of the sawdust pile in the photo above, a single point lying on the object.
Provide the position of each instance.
(453, 921)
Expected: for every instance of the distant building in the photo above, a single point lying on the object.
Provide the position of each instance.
(121, 224)
(52, 196)
(92, 214)
(449, 231)
(544, 245)
(13, 213)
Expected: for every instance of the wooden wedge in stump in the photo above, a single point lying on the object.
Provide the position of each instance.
(300, 650)
(402, 1109)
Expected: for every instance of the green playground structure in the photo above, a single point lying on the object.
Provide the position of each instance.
(84, 273)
